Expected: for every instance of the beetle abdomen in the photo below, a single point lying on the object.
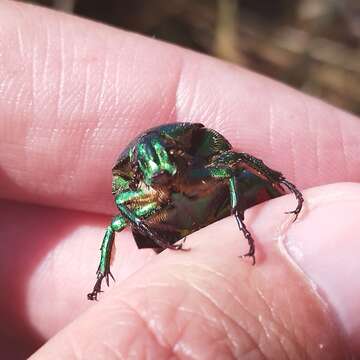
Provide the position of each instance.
(187, 214)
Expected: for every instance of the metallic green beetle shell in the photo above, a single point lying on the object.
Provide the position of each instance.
(175, 179)
(190, 205)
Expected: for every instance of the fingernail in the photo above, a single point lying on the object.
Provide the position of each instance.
(325, 244)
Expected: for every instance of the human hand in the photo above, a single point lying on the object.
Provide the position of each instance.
(72, 94)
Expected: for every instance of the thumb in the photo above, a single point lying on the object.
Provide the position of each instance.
(300, 300)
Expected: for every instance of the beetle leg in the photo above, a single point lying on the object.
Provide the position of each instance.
(298, 196)
(118, 223)
(144, 211)
(238, 211)
(219, 170)
(145, 229)
(275, 177)
(232, 158)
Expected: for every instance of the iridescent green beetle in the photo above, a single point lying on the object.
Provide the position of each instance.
(175, 179)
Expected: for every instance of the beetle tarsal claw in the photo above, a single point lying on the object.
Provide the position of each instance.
(97, 289)
(107, 277)
(179, 246)
(295, 212)
(249, 254)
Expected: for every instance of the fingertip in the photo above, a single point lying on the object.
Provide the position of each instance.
(325, 244)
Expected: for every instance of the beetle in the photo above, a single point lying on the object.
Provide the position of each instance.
(175, 179)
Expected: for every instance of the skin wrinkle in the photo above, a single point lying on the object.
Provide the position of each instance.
(228, 316)
(153, 333)
(84, 140)
(117, 354)
(202, 315)
(231, 285)
(271, 131)
(219, 113)
(287, 327)
(178, 339)
(164, 107)
(22, 90)
(116, 88)
(283, 329)
(179, 344)
(176, 308)
(101, 110)
(62, 69)
(343, 145)
(317, 148)
(21, 16)
(274, 317)
(211, 301)
(47, 54)
(233, 296)
(313, 146)
(178, 79)
(293, 155)
(74, 345)
(231, 337)
(199, 314)
(190, 98)
(133, 311)
(225, 336)
(87, 86)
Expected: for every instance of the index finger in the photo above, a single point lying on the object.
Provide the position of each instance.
(73, 93)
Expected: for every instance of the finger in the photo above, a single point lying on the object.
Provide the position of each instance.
(48, 265)
(210, 304)
(74, 93)
(55, 291)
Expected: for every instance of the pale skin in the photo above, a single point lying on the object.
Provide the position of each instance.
(72, 94)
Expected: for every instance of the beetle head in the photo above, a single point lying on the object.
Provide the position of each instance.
(151, 157)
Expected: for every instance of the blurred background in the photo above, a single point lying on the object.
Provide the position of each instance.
(312, 45)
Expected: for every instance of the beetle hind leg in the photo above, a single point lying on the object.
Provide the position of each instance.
(298, 196)
(275, 177)
(238, 211)
(240, 221)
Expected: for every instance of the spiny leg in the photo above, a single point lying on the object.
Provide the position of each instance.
(134, 217)
(275, 177)
(118, 223)
(221, 170)
(298, 196)
(179, 247)
(238, 211)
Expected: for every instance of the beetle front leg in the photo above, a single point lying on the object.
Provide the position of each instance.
(118, 223)
(238, 211)
(135, 217)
